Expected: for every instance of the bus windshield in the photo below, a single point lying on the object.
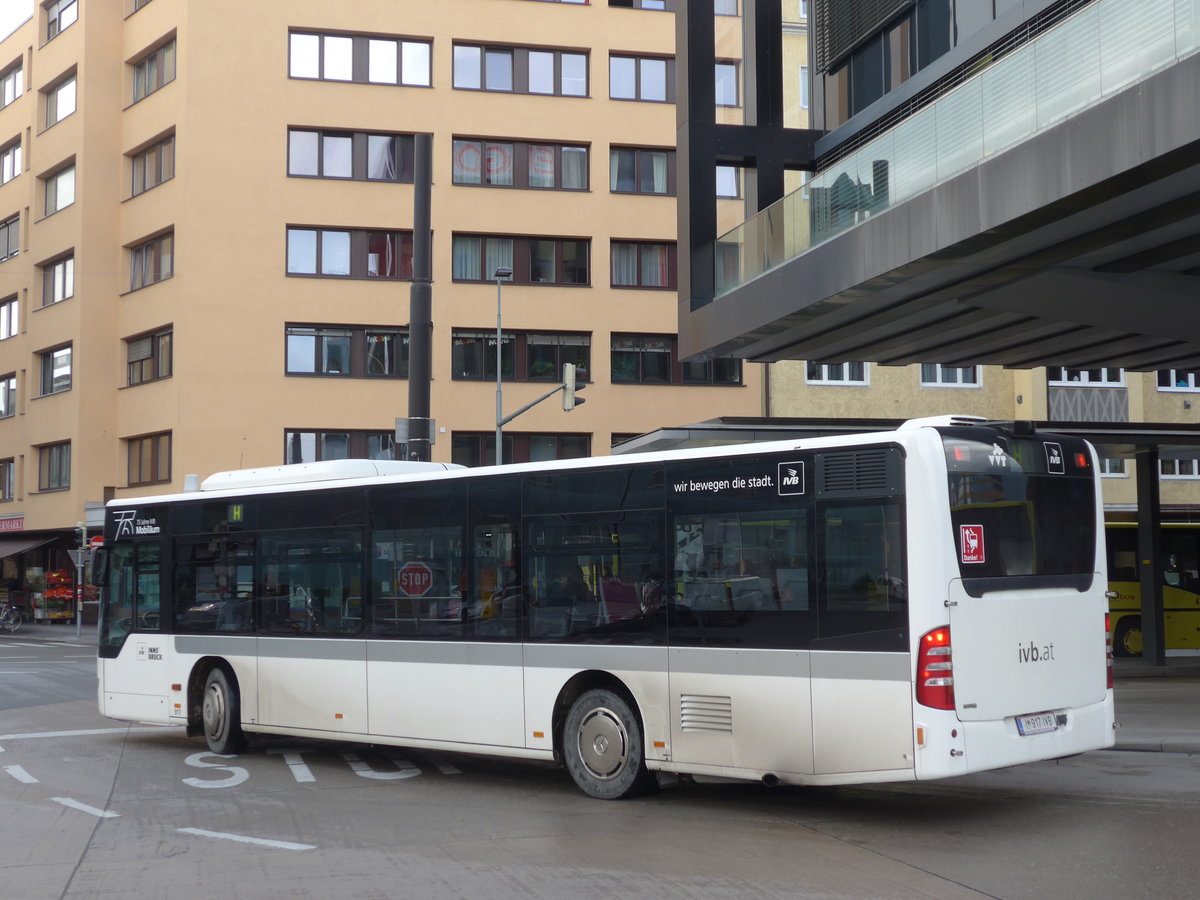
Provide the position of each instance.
(1021, 508)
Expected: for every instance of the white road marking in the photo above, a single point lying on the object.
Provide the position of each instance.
(406, 769)
(83, 807)
(16, 672)
(444, 767)
(244, 839)
(295, 762)
(20, 774)
(33, 735)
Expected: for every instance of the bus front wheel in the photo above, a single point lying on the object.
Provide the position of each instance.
(1127, 641)
(602, 746)
(220, 711)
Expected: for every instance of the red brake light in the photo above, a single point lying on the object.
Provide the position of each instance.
(935, 670)
(1082, 461)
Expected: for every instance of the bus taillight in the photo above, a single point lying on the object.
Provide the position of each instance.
(935, 670)
(1108, 651)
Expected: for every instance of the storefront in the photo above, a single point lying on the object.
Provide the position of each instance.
(37, 574)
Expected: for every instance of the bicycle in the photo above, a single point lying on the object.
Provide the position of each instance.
(10, 617)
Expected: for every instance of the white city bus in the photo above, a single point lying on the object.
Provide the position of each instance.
(896, 606)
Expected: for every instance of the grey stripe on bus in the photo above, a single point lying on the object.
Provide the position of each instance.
(695, 660)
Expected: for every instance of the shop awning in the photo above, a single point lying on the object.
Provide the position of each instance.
(13, 546)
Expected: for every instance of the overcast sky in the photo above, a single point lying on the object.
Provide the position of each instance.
(12, 14)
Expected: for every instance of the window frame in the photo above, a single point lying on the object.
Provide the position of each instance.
(517, 355)
(521, 160)
(827, 379)
(641, 161)
(357, 440)
(152, 261)
(56, 13)
(58, 189)
(404, 160)
(58, 279)
(10, 160)
(639, 77)
(10, 234)
(735, 70)
(1085, 379)
(640, 247)
(939, 371)
(517, 446)
(152, 165)
(12, 83)
(10, 317)
(358, 252)
(361, 70)
(519, 69)
(1173, 377)
(1178, 464)
(156, 362)
(46, 370)
(358, 350)
(678, 372)
(150, 453)
(54, 467)
(8, 395)
(519, 258)
(8, 479)
(154, 70)
(54, 96)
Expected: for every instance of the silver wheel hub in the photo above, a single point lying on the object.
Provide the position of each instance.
(603, 744)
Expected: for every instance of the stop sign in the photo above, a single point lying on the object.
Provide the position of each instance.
(415, 579)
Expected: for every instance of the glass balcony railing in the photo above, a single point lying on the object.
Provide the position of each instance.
(1100, 50)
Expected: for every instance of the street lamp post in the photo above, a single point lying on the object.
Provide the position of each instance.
(502, 272)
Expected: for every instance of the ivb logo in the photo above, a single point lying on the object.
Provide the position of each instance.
(1055, 464)
(790, 479)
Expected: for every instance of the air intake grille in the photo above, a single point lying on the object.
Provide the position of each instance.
(698, 712)
(858, 472)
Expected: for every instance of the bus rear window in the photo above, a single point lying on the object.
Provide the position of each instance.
(1021, 508)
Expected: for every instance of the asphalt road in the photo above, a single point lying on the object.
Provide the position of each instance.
(91, 808)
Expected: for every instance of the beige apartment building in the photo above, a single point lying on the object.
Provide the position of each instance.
(206, 234)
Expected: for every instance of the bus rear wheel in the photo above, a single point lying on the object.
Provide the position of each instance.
(1127, 641)
(220, 711)
(603, 749)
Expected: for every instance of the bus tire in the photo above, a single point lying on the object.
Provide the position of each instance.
(603, 749)
(220, 712)
(1127, 641)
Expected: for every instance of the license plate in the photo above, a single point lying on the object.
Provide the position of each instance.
(1037, 723)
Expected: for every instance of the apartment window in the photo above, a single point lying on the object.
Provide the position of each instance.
(349, 351)
(726, 7)
(937, 375)
(804, 9)
(805, 88)
(149, 459)
(8, 395)
(314, 446)
(524, 356)
(152, 166)
(355, 155)
(363, 59)
(59, 189)
(60, 101)
(534, 260)
(10, 237)
(653, 359)
(55, 367)
(10, 318)
(149, 357)
(646, 78)
(10, 161)
(58, 280)
(644, 4)
(12, 84)
(470, 448)
(726, 84)
(152, 261)
(8, 479)
(349, 253)
(1105, 377)
(520, 164)
(1179, 468)
(154, 70)
(59, 15)
(643, 264)
(847, 373)
(1179, 380)
(729, 182)
(54, 467)
(641, 170)
(1112, 468)
(520, 70)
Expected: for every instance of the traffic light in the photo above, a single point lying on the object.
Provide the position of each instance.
(571, 387)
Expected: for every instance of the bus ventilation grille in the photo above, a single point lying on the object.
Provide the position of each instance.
(698, 712)
(863, 471)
